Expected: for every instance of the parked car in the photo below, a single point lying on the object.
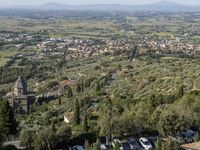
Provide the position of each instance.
(116, 143)
(188, 138)
(145, 144)
(125, 145)
(122, 145)
(105, 147)
(190, 133)
(133, 144)
(153, 141)
(184, 138)
(77, 147)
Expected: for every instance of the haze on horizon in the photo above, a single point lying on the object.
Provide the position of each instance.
(86, 2)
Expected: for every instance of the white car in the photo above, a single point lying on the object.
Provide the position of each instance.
(103, 147)
(145, 144)
(77, 147)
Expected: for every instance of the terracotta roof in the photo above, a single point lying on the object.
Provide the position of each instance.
(192, 146)
(67, 83)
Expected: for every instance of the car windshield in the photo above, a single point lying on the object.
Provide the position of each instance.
(133, 142)
(126, 145)
(146, 142)
(78, 148)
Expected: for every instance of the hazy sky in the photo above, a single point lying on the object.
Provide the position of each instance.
(76, 2)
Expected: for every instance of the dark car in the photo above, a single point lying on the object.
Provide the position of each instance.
(125, 145)
(133, 144)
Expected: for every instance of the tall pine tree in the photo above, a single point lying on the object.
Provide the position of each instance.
(85, 123)
(98, 87)
(1, 139)
(78, 88)
(59, 101)
(76, 113)
(69, 93)
(7, 119)
(180, 92)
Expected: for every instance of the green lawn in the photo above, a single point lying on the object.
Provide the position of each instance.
(5, 55)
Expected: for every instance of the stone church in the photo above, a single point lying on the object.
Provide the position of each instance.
(21, 98)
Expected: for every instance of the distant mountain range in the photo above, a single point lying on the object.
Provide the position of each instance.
(158, 6)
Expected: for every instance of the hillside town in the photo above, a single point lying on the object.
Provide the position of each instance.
(89, 80)
(84, 48)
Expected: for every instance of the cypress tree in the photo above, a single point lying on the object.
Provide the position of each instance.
(98, 87)
(153, 101)
(78, 88)
(76, 113)
(1, 139)
(82, 86)
(180, 92)
(59, 101)
(87, 83)
(69, 93)
(7, 120)
(85, 123)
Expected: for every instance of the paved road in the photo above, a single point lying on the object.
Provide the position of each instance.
(15, 143)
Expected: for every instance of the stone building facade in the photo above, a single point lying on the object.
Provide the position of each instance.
(21, 99)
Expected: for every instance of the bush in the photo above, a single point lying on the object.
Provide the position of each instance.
(26, 138)
(51, 84)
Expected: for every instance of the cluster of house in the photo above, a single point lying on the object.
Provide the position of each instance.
(53, 44)
(52, 47)
(58, 90)
(80, 48)
(85, 48)
(18, 38)
(175, 45)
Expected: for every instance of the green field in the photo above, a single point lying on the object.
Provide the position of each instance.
(6, 55)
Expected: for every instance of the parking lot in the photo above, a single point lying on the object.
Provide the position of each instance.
(131, 143)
